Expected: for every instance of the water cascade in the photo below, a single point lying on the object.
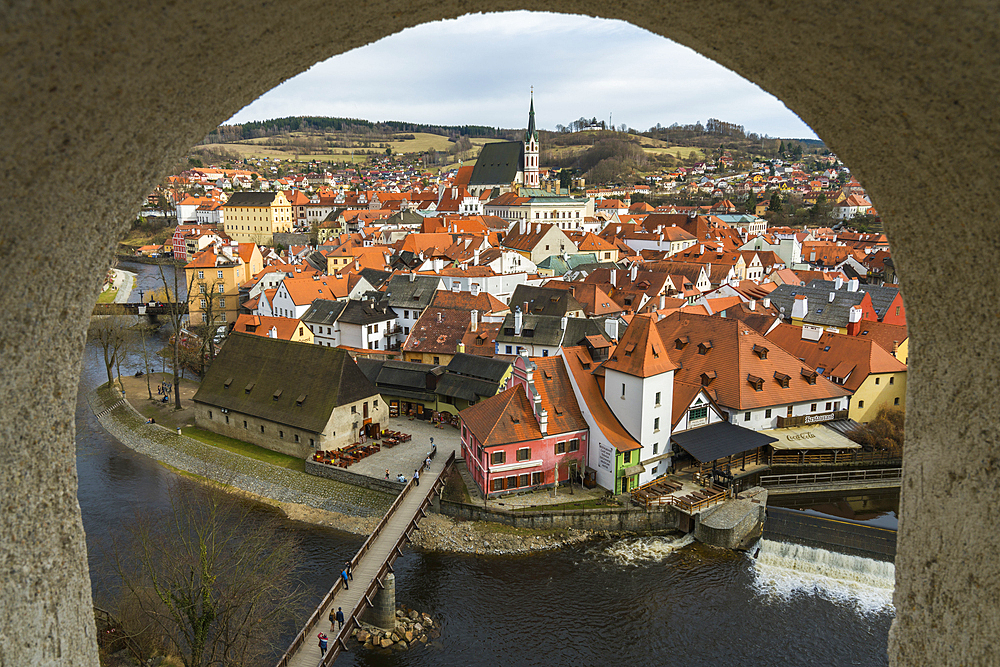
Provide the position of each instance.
(785, 569)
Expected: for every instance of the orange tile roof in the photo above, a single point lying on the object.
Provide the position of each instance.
(731, 350)
(502, 419)
(259, 325)
(640, 352)
(483, 302)
(306, 290)
(581, 367)
(557, 398)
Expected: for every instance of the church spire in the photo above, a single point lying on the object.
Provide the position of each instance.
(532, 132)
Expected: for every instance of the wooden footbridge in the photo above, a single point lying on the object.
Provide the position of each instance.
(372, 562)
(149, 309)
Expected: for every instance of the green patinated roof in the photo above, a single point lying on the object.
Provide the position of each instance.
(498, 163)
(298, 384)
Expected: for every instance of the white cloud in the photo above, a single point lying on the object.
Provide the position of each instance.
(478, 70)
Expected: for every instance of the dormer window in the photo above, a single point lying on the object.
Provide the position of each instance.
(756, 382)
(680, 343)
(249, 387)
(760, 351)
(707, 377)
(703, 348)
(809, 375)
(629, 349)
(782, 379)
(276, 395)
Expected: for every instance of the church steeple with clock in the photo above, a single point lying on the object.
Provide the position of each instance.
(531, 149)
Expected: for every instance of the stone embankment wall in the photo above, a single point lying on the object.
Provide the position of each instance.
(729, 524)
(615, 519)
(348, 477)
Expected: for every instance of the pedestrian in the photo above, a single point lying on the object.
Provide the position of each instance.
(416, 477)
(322, 644)
(343, 575)
(340, 617)
(427, 462)
(347, 569)
(387, 473)
(332, 619)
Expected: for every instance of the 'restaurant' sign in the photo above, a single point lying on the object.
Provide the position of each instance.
(812, 419)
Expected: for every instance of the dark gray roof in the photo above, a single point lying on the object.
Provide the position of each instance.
(366, 312)
(469, 389)
(719, 440)
(375, 277)
(324, 311)
(251, 199)
(498, 163)
(472, 365)
(405, 379)
(544, 300)
(298, 384)
(418, 293)
(547, 330)
(822, 311)
(370, 367)
(882, 295)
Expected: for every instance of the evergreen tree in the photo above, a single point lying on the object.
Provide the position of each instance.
(775, 204)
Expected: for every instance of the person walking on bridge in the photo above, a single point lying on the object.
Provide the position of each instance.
(322, 644)
(340, 617)
(343, 575)
(416, 477)
(347, 569)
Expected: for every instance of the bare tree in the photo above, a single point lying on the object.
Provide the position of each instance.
(215, 582)
(176, 320)
(111, 334)
(142, 330)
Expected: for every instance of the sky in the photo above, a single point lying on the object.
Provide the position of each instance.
(579, 67)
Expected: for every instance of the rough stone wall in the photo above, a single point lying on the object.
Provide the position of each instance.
(101, 99)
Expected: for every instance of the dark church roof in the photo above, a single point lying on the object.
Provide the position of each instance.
(498, 163)
(298, 384)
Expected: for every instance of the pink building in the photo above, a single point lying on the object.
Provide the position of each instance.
(525, 437)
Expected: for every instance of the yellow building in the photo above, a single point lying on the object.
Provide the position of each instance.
(255, 217)
(875, 391)
(213, 280)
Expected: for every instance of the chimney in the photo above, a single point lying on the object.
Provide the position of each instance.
(812, 256)
(524, 226)
(543, 421)
(611, 327)
(800, 307)
(833, 295)
(440, 316)
(838, 282)
(474, 325)
(475, 257)
(752, 304)
(614, 277)
(854, 321)
(562, 323)
(273, 333)
(663, 301)
(852, 286)
(460, 348)
(518, 320)
(766, 302)
(635, 273)
(438, 264)
(413, 276)
(538, 228)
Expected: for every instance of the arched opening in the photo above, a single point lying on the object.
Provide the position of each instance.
(100, 101)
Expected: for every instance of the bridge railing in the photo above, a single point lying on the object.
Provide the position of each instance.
(833, 477)
(338, 643)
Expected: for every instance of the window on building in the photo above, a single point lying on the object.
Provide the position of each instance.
(354, 409)
(222, 303)
(204, 304)
(892, 379)
(789, 411)
(523, 454)
(656, 424)
(623, 390)
(312, 441)
(512, 482)
(496, 485)
(698, 413)
(524, 480)
(812, 408)
(209, 414)
(574, 445)
(202, 288)
(767, 413)
(627, 457)
(245, 423)
(201, 275)
(227, 419)
(895, 401)
(877, 380)
(498, 458)
(261, 428)
(375, 404)
(545, 353)
(746, 416)
(508, 349)
(536, 478)
(222, 289)
(560, 448)
(656, 448)
(220, 273)
(657, 398)
(281, 434)
(296, 437)
(861, 404)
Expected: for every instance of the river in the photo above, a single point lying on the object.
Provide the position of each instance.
(644, 601)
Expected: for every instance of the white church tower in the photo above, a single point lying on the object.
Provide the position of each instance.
(531, 150)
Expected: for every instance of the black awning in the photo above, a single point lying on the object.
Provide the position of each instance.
(719, 440)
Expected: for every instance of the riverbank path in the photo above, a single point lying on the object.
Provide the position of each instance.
(372, 562)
